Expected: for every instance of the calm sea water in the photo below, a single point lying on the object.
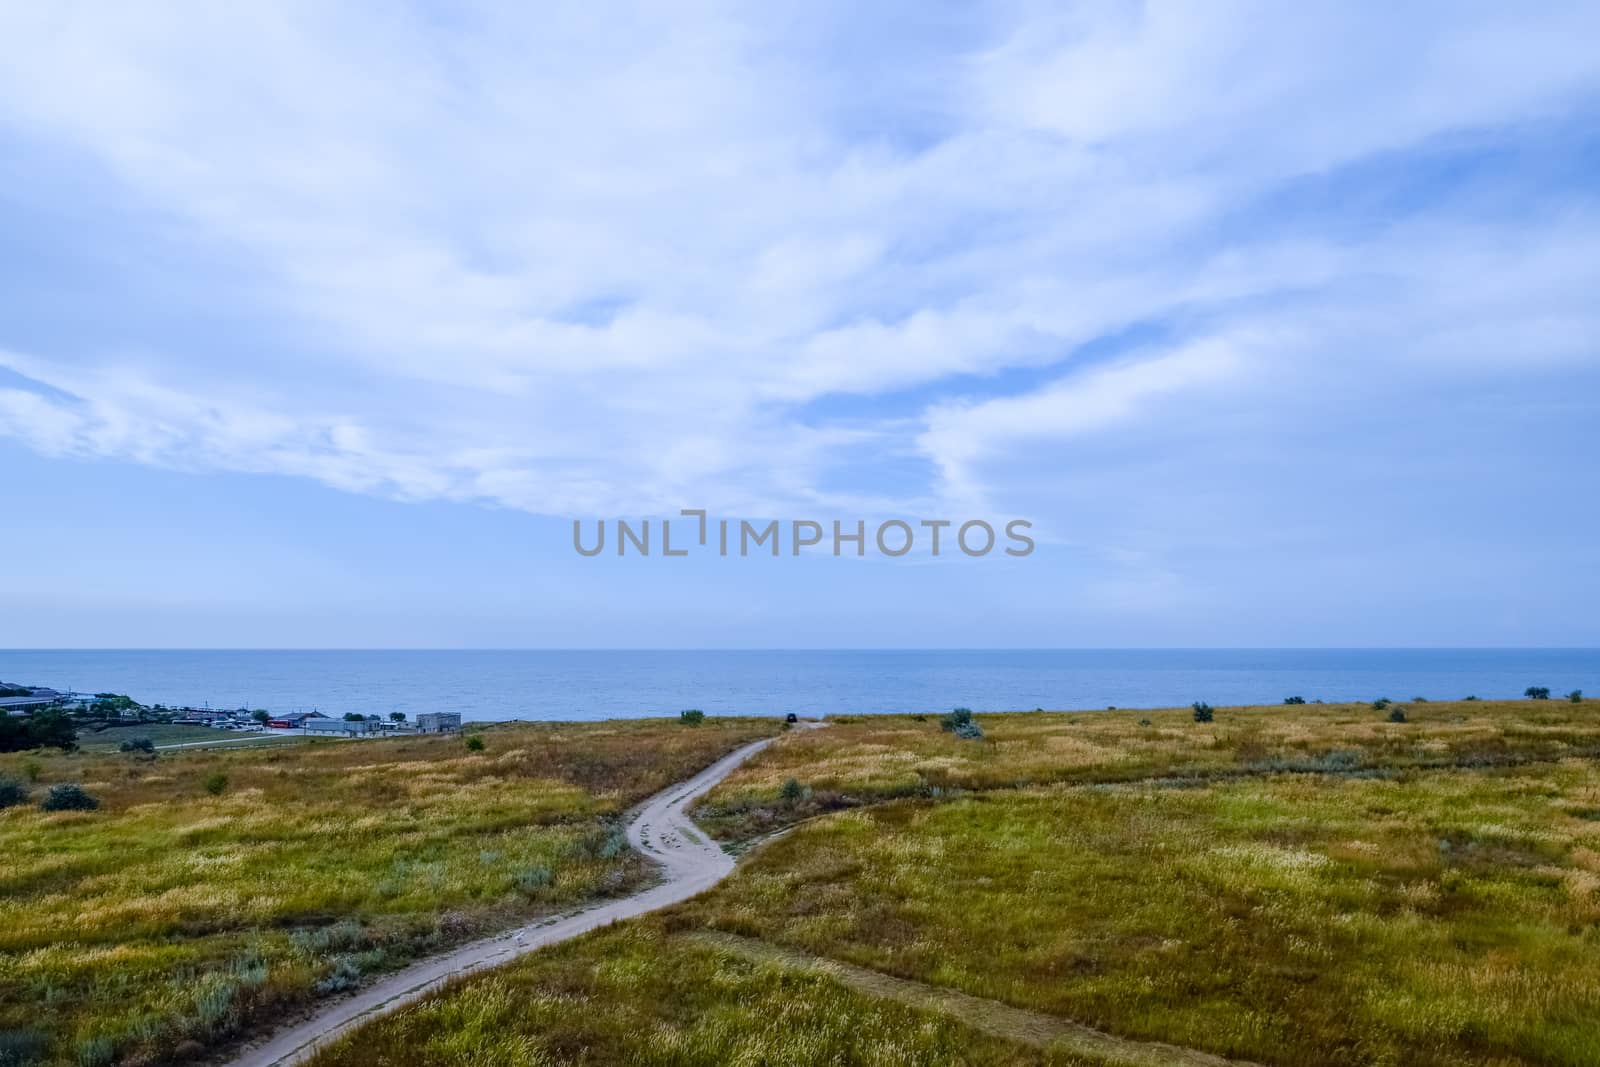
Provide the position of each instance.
(493, 685)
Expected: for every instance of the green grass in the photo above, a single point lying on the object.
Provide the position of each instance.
(1441, 917)
(1310, 885)
(159, 733)
(171, 918)
(869, 759)
(630, 995)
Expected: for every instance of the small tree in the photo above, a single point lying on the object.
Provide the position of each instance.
(792, 792)
(1294, 700)
(1397, 715)
(261, 716)
(1469, 698)
(354, 716)
(1537, 692)
(215, 783)
(138, 744)
(1576, 696)
(1381, 703)
(12, 792)
(68, 797)
(397, 716)
(1202, 711)
(961, 723)
(474, 743)
(691, 716)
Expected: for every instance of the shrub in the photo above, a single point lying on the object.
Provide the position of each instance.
(138, 744)
(215, 783)
(18, 1048)
(792, 792)
(1381, 703)
(12, 793)
(1294, 700)
(49, 727)
(474, 743)
(1144, 722)
(1537, 692)
(1397, 715)
(343, 975)
(68, 797)
(691, 716)
(534, 879)
(960, 722)
(397, 716)
(1202, 711)
(353, 716)
(1576, 696)
(1469, 698)
(1419, 700)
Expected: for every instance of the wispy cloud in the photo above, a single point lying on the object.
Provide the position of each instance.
(576, 261)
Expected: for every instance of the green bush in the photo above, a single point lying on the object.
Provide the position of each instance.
(960, 722)
(68, 797)
(1576, 696)
(20, 1048)
(1294, 700)
(50, 727)
(12, 793)
(215, 783)
(1203, 712)
(1469, 698)
(1397, 715)
(1381, 703)
(792, 792)
(1537, 692)
(344, 974)
(691, 717)
(138, 744)
(533, 880)
(474, 743)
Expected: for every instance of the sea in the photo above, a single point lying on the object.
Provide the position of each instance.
(587, 685)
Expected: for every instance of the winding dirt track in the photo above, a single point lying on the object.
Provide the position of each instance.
(661, 830)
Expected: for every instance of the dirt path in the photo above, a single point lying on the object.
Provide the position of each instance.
(987, 1016)
(661, 830)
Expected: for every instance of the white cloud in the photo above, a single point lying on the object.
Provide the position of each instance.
(576, 261)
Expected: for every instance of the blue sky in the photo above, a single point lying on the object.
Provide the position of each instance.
(319, 325)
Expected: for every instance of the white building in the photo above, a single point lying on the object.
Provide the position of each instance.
(439, 722)
(340, 726)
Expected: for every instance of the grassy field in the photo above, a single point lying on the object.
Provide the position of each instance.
(161, 733)
(868, 759)
(172, 916)
(633, 995)
(1431, 918)
(1308, 885)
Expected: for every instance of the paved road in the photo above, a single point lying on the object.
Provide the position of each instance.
(661, 830)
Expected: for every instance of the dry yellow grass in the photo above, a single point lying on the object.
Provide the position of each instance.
(170, 915)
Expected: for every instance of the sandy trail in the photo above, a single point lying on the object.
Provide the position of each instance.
(661, 830)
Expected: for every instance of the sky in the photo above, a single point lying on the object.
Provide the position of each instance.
(321, 324)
